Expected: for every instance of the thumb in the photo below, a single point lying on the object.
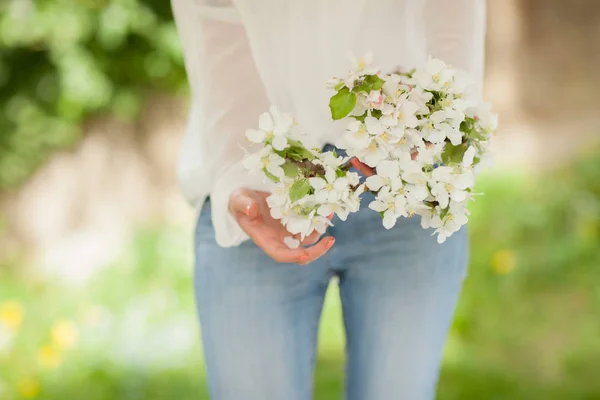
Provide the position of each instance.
(243, 201)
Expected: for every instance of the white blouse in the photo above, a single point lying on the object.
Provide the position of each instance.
(242, 56)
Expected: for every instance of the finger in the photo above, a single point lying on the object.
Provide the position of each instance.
(242, 202)
(272, 245)
(311, 239)
(362, 168)
(318, 250)
(263, 195)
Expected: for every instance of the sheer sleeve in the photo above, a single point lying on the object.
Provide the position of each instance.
(227, 98)
(455, 32)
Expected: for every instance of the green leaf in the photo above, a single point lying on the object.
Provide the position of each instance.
(444, 212)
(298, 152)
(371, 82)
(453, 154)
(382, 213)
(299, 189)
(340, 173)
(467, 125)
(270, 176)
(342, 103)
(290, 169)
(376, 113)
(361, 118)
(362, 87)
(374, 82)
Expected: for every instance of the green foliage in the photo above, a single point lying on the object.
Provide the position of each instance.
(290, 169)
(299, 189)
(297, 152)
(62, 61)
(342, 103)
(453, 154)
(371, 82)
(270, 175)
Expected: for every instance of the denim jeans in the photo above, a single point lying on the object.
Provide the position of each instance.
(260, 318)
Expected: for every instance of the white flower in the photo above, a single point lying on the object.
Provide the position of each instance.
(434, 76)
(356, 136)
(448, 185)
(320, 223)
(362, 65)
(391, 205)
(373, 154)
(468, 157)
(264, 159)
(329, 159)
(391, 87)
(443, 124)
(412, 171)
(429, 153)
(388, 174)
(353, 178)
(402, 116)
(273, 126)
(278, 202)
(374, 126)
(299, 224)
(327, 209)
(330, 188)
(430, 218)
(420, 98)
(456, 217)
(483, 116)
(272, 164)
(414, 204)
(375, 99)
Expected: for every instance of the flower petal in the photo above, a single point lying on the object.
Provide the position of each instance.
(255, 135)
(279, 143)
(317, 183)
(265, 122)
(374, 182)
(389, 219)
(378, 206)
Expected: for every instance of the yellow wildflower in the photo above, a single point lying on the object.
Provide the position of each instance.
(64, 334)
(11, 314)
(28, 388)
(504, 261)
(49, 357)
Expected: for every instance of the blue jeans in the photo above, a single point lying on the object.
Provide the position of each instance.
(260, 318)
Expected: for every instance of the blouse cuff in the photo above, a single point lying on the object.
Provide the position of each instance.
(227, 230)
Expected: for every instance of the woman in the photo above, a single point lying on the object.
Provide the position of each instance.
(258, 309)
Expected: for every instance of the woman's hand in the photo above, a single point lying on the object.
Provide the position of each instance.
(250, 209)
(363, 168)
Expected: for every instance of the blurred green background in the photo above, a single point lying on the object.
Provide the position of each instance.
(92, 307)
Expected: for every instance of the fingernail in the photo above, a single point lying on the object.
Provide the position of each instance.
(248, 206)
(331, 243)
